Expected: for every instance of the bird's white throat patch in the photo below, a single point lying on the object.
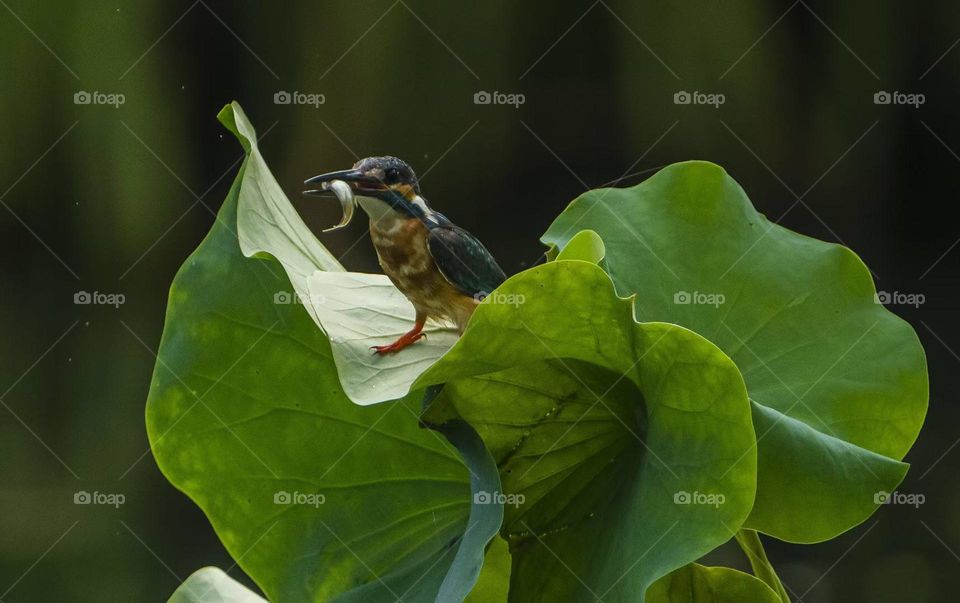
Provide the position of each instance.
(381, 214)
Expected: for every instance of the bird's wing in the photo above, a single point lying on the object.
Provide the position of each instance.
(464, 261)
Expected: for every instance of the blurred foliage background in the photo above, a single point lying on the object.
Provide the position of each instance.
(113, 199)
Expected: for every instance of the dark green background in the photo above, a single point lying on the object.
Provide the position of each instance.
(112, 200)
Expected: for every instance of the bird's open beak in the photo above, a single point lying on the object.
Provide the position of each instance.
(359, 181)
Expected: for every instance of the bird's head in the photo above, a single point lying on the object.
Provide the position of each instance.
(381, 183)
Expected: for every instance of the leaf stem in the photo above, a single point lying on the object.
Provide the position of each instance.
(749, 541)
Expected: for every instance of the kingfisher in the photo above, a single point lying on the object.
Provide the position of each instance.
(441, 268)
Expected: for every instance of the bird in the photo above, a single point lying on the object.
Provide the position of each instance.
(442, 269)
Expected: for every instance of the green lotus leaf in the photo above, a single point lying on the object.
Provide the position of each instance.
(586, 245)
(213, 585)
(626, 450)
(316, 498)
(493, 585)
(838, 383)
(696, 583)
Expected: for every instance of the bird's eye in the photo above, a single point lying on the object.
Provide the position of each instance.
(391, 175)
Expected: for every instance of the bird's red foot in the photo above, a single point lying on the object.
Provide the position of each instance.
(406, 339)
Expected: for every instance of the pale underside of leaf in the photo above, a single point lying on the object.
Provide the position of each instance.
(358, 311)
(213, 585)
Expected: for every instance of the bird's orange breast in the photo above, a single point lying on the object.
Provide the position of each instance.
(402, 250)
